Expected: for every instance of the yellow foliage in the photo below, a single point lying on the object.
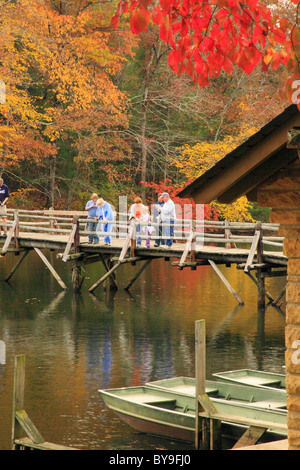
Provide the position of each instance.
(192, 162)
(236, 212)
(58, 69)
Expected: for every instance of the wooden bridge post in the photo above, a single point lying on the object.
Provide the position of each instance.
(208, 429)
(227, 233)
(16, 230)
(108, 266)
(193, 245)
(214, 266)
(18, 395)
(17, 265)
(261, 303)
(200, 374)
(21, 422)
(137, 274)
(111, 283)
(77, 273)
(132, 231)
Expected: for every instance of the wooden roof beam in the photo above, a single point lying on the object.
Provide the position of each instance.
(258, 175)
(224, 177)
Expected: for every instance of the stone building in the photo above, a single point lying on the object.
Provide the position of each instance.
(266, 168)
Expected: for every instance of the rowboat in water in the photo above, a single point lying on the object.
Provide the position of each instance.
(259, 397)
(172, 415)
(266, 380)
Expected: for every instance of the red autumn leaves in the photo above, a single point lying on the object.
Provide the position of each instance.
(208, 36)
(139, 19)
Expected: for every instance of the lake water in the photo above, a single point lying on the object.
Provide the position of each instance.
(76, 344)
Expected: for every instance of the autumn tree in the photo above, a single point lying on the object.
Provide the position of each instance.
(19, 118)
(58, 62)
(208, 40)
(166, 110)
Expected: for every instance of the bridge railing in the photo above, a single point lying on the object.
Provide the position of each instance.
(189, 231)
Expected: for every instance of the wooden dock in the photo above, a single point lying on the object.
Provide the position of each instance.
(196, 243)
(25, 435)
(276, 445)
(208, 427)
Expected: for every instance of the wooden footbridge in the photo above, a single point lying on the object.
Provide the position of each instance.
(251, 247)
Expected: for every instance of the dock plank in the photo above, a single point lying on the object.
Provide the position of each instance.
(28, 443)
(250, 437)
(276, 445)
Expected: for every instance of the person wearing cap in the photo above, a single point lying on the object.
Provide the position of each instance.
(168, 219)
(106, 216)
(156, 220)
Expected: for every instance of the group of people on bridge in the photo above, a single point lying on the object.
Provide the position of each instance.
(100, 213)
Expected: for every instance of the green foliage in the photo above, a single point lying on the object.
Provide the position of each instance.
(261, 214)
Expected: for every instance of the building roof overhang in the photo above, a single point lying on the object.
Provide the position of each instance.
(249, 165)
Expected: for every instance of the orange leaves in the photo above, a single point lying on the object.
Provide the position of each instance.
(59, 70)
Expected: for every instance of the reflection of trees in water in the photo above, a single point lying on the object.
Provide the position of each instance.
(76, 344)
(252, 349)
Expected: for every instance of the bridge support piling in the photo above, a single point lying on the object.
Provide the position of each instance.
(78, 271)
(23, 256)
(103, 278)
(77, 276)
(111, 283)
(261, 291)
(137, 274)
(51, 269)
(256, 283)
(234, 293)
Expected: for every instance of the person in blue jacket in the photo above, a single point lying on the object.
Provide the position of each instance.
(91, 226)
(105, 215)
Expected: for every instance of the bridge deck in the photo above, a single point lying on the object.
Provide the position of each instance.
(197, 243)
(215, 253)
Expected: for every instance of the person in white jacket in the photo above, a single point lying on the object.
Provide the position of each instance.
(168, 219)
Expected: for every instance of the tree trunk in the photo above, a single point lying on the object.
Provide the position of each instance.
(72, 188)
(52, 181)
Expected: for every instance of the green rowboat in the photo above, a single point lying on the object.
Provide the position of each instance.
(266, 380)
(259, 397)
(172, 415)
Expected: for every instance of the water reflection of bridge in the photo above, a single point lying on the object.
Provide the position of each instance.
(196, 243)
